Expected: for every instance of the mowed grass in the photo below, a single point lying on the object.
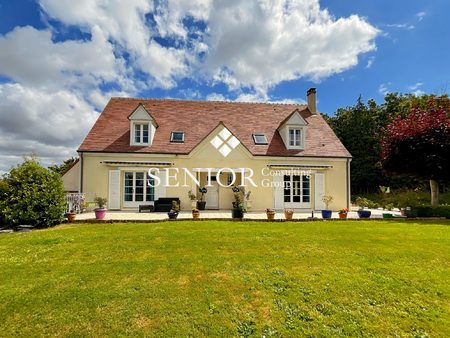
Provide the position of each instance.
(220, 278)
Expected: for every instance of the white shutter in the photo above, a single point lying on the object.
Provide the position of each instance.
(114, 190)
(319, 191)
(160, 190)
(278, 192)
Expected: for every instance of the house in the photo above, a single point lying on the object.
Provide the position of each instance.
(140, 150)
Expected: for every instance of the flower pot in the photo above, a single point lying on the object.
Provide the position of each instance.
(270, 215)
(100, 213)
(70, 217)
(343, 216)
(201, 205)
(364, 213)
(237, 213)
(387, 215)
(195, 214)
(288, 215)
(326, 214)
(172, 215)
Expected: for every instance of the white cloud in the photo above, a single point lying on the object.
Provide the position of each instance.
(401, 26)
(383, 88)
(415, 89)
(215, 97)
(421, 15)
(370, 62)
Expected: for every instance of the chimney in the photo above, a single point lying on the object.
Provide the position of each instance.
(311, 94)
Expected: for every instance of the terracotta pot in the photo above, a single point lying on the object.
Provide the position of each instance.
(71, 217)
(270, 215)
(288, 215)
(196, 214)
(342, 216)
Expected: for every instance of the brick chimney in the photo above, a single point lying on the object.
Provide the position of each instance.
(311, 94)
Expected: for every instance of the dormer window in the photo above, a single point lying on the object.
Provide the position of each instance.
(177, 136)
(295, 138)
(142, 127)
(260, 139)
(141, 134)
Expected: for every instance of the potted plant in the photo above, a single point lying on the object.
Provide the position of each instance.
(238, 205)
(270, 214)
(202, 203)
(327, 199)
(195, 213)
(288, 214)
(173, 213)
(362, 203)
(100, 211)
(343, 213)
(193, 199)
(71, 215)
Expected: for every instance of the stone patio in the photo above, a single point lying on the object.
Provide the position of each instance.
(217, 214)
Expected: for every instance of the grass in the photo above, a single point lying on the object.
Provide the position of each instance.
(219, 278)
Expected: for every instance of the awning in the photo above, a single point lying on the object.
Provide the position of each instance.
(138, 163)
(299, 166)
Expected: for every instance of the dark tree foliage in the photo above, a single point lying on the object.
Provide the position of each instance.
(64, 167)
(359, 127)
(419, 143)
(31, 194)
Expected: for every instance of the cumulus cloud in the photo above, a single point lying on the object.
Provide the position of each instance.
(55, 87)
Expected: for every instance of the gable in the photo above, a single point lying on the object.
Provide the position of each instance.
(295, 119)
(140, 113)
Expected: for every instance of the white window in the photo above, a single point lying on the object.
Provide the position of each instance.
(260, 139)
(141, 133)
(295, 137)
(297, 191)
(177, 136)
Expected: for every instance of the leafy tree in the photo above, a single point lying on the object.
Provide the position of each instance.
(418, 143)
(62, 168)
(31, 194)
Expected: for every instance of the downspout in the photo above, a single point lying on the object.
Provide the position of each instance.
(348, 184)
(81, 172)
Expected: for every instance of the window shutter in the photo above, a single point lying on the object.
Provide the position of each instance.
(319, 191)
(160, 190)
(114, 190)
(278, 192)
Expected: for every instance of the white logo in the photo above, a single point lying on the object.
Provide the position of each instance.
(225, 142)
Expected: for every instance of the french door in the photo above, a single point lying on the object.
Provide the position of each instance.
(138, 189)
(297, 191)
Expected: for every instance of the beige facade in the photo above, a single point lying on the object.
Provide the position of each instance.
(103, 174)
(71, 179)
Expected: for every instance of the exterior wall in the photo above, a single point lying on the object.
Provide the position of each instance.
(71, 178)
(95, 174)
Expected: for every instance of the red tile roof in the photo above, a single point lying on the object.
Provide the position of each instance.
(198, 119)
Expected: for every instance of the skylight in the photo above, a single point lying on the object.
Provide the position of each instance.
(177, 136)
(260, 139)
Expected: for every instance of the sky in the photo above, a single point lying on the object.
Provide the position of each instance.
(61, 60)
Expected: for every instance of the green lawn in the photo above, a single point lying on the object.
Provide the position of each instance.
(220, 278)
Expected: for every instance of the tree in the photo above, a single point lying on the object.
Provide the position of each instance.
(419, 143)
(31, 194)
(64, 167)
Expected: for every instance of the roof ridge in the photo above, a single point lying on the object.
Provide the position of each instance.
(207, 101)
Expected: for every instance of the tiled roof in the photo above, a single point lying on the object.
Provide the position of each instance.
(198, 119)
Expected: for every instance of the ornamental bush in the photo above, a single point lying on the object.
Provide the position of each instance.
(31, 194)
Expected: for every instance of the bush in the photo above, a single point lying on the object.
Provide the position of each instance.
(31, 194)
(432, 211)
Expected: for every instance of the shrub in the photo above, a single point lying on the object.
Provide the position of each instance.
(432, 211)
(31, 194)
(100, 202)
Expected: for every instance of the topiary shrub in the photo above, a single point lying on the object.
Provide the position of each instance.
(31, 194)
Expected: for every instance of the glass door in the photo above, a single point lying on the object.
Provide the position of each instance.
(297, 192)
(138, 189)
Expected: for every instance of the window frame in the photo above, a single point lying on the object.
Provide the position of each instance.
(176, 141)
(141, 125)
(301, 137)
(255, 135)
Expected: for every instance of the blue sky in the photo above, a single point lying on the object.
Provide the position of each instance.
(61, 60)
